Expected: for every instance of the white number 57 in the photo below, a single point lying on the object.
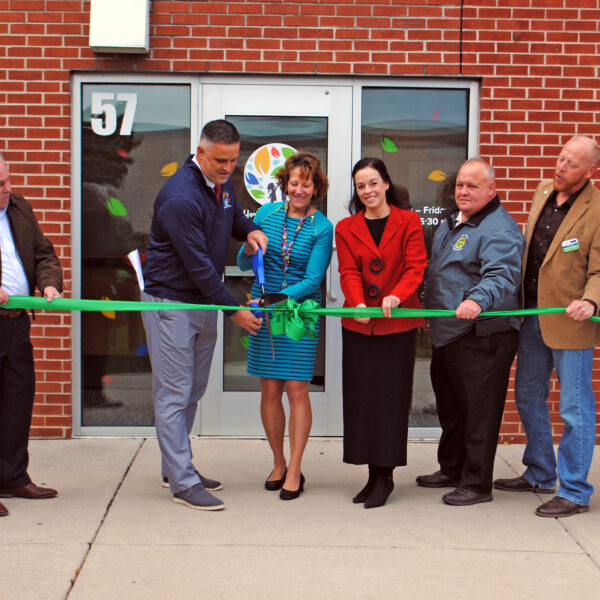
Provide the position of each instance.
(105, 121)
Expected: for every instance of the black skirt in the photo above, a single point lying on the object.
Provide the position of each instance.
(377, 383)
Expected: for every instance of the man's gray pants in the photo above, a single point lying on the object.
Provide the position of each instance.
(181, 344)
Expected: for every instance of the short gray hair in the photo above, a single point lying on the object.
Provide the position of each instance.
(477, 160)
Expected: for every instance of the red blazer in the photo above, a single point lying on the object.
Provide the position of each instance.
(369, 273)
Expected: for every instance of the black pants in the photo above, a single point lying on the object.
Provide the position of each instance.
(17, 391)
(470, 379)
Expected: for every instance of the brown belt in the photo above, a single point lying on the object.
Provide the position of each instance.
(11, 313)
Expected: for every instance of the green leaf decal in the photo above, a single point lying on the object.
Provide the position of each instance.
(388, 145)
(287, 152)
(115, 207)
(258, 194)
(275, 171)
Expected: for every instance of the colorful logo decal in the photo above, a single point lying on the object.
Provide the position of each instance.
(460, 242)
(260, 172)
(226, 200)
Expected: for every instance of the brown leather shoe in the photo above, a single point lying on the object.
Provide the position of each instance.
(3, 510)
(560, 507)
(29, 491)
(520, 484)
(462, 497)
(436, 480)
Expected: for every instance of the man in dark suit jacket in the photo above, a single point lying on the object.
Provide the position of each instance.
(561, 267)
(27, 259)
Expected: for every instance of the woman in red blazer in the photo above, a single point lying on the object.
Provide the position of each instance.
(382, 260)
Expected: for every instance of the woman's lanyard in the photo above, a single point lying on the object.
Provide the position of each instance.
(286, 249)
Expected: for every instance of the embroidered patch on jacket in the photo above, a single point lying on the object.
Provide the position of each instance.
(226, 200)
(460, 242)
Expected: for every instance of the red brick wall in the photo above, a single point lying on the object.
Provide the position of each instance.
(537, 59)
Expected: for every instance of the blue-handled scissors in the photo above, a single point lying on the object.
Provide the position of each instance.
(258, 265)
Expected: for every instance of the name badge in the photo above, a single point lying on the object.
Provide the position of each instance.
(570, 245)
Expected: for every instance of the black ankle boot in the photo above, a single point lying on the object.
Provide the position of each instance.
(364, 493)
(382, 488)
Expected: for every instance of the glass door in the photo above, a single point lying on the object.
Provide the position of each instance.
(274, 121)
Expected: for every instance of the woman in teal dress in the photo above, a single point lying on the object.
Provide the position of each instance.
(297, 257)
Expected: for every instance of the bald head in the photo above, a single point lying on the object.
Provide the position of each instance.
(575, 165)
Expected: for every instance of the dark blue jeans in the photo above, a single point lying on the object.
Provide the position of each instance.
(535, 363)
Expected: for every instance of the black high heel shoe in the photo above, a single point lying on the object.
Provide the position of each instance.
(292, 494)
(276, 484)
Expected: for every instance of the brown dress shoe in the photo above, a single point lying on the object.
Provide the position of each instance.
(436, 480)
(560, 507)
(29, 491)
(462, 497)
(3, 510)
(520, 484)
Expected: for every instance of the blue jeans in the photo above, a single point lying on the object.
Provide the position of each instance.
(535, 362)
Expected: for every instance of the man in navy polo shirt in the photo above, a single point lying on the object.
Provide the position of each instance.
(195, 215)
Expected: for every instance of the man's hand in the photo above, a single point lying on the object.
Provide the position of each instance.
(3, 296)
(362, 320)
(255, 239)
(247, 321)
(468, 309)
(388, 303)
(50, 292)
(580, 310)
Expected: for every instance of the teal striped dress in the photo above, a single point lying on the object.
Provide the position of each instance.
(311, 253)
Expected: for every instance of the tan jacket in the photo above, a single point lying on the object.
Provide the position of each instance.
(567, 276)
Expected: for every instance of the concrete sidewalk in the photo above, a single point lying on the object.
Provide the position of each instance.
(113, 532)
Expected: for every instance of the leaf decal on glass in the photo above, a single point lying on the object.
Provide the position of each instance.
(251, 178)
(244, 342)
(142, 350)
(275, 152)
(262, 160)
(258, 194)
(287, 152)
(437, 176)
(169, 169)
(275, 171)
(115, 207)
(109, 314)
(388, 145)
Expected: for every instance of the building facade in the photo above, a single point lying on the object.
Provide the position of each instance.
(91, 134)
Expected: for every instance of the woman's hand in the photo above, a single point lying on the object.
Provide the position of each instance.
(388, 303)
(363, 320)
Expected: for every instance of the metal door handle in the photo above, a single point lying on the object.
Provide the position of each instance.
(328, 287)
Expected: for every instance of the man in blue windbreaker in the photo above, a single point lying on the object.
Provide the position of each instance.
(475, 267)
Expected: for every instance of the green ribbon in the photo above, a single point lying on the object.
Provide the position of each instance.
(291, 319)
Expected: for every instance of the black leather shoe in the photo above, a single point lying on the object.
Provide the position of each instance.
(520, 484)
(3, 510)
(436, 480)
(275, 484)
(560, 507)
(462, 497)
(292, 494)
